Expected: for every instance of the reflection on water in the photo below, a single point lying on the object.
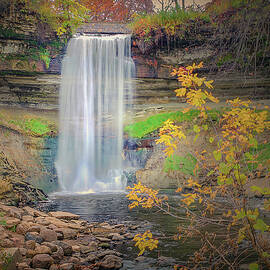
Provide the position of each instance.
(113, 208)
(96, 207)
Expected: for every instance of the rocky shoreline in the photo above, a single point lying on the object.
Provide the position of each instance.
(32, 239)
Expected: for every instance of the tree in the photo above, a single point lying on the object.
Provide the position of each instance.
(228, 176)
(120, 10)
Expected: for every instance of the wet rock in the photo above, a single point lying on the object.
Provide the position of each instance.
(128, 236)
(48, 235)
(108, 252)
(33, 236)
(66, 247)
(42, 261)
(166, 261)
(64, 215)
(111, 262)
(116, 237)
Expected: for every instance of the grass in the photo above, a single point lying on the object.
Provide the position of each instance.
(152, 123)
(142, 128)
(35, 126)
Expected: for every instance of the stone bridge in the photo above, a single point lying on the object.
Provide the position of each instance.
(104, 28)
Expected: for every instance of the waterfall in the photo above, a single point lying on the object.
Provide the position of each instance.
(95, 91)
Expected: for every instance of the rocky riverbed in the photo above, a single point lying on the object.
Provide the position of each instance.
(31, 239)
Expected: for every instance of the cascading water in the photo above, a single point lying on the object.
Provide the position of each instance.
(96, 87)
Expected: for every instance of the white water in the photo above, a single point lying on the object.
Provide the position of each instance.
(96, 86)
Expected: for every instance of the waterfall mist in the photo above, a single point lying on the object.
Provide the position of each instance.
(95, 92)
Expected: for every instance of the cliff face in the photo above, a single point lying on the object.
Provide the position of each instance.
(30, 66)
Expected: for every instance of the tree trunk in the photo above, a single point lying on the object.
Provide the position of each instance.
(183, 5)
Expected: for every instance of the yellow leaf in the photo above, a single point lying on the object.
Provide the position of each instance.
(180, 92)
(186, 110)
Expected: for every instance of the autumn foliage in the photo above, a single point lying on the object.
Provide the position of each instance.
(111, 10)
(224, 198)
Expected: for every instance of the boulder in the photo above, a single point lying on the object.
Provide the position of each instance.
(28, 218)
(91, 258)
(64, 215)
(43, 250)
(48, 235)
(67, 233)
(42, 221)
(22, 266)
(66, 247)
(12, 211)
(58, 255)
(12, 222)
(52, 246)
(108, 252)
(111, 262)
(116, 237)
(23, 227)
(42, 261)
(33, 236)
(30, 244)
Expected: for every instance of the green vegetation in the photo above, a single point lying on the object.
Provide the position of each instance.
(170, 21)
(142, 128)
(8, 33)
(185, 164)
(36, 126)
